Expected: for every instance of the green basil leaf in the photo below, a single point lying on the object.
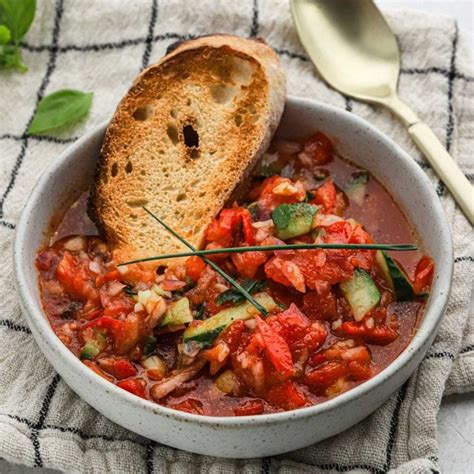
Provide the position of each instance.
(17, 15)
(10, 58)
(129, 291)
(199, 311)
(61, 108)
(234, 296)
(5, 34)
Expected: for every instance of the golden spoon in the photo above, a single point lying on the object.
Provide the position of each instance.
(355, 51)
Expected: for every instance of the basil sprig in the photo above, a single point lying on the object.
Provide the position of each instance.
(60, 108)
(16, 17)
(233, 296)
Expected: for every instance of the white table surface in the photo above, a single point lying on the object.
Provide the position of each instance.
(456, 416)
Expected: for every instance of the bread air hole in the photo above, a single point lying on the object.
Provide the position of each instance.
(137, 202)
(128, 167)
(143, 113)
(238, 120)
(223, 93)
(191, 137)
(180, 197)
(172, 132)
(114, 170)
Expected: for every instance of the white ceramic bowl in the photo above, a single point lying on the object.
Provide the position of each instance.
(263, 435)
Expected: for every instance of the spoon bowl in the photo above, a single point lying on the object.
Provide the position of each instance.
(369, 69)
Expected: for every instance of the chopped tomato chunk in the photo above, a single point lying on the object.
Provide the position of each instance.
(326, 373)
(250, 407)
(248, 263)
(76, 278)
(194, 267)
(319, 148)
(232, 335)
(325, 196)
(377, 335)
(223, 229)
(320, 305)
(287, 396)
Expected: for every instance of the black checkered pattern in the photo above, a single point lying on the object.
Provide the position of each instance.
(54, 50)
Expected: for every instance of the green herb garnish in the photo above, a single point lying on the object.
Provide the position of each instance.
(60, 108)
(16, 17)
(128, 290)
(264, 248)
(215, 267)
(150, 345)
(233, 296)
(199, 311)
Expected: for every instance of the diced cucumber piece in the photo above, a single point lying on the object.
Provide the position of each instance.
(292, 220)
(90, 350)
(383, 267)
(95, 346)
(254, 209)
(178, 313)
(361, 293)
(150, 344)
(357, 189)
(395, 276)
(206, 332)
(269, 165)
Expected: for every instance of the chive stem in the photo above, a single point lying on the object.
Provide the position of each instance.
(264, 248)
(221, 272)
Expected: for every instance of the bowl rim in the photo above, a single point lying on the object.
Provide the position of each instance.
(38, 321)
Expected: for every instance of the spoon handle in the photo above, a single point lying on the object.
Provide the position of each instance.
(441, 161)
(445, 167)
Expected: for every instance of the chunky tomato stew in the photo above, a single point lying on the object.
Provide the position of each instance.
(183, 337)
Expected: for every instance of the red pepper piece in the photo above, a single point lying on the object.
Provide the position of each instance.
(423, 274)
(190, 405)
(135, 386)
(276, 347)
(326, 374)
(124, 368)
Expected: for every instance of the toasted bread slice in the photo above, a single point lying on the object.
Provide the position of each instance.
(188, 131)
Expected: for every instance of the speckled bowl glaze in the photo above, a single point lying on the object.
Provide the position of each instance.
(249, 436)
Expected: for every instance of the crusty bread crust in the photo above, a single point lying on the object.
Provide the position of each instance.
(190, 128)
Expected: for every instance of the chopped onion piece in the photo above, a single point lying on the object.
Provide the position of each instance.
(75, 244)
(156, 363)
(94, 267)
(123, 269)
(227, 382)
(251, 323)
(259, 224)
(287, 147)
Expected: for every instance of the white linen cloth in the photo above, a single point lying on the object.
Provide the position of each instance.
(100, 46)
